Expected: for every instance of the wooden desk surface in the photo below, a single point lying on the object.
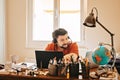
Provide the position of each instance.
(8, 76)
(23, 77)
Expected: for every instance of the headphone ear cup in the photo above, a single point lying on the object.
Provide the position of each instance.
(54, 40)
(68, 37)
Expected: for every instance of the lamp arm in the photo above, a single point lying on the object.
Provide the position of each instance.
(111, 34)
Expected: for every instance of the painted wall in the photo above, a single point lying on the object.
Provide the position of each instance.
(16, 29)
(109, 16)
(16, 26)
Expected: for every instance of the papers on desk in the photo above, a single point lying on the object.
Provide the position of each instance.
(27, 65)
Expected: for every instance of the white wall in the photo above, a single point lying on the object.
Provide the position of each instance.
(2, 31)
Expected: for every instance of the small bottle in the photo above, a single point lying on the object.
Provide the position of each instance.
(68, 74)
(54, 61)
(51, 61)
(59, 67)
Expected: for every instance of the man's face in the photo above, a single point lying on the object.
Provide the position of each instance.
(63, 41)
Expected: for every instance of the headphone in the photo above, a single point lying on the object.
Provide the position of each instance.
(58, 32)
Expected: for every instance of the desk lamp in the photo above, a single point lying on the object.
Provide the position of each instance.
(91, 21)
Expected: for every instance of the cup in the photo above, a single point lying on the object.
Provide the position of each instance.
(53, 69)
(74, 69)
(8, 66)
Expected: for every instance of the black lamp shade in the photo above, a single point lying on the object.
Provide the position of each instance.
(90, 21)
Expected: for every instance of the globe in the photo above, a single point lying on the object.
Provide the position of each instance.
(101, 55)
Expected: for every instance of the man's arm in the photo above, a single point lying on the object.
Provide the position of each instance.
(74, 52)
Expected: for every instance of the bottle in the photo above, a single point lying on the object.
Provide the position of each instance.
(68, 73)
(54, 61)
(59, 67)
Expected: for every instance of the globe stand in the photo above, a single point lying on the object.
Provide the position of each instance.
(101, 56)
(113, 53)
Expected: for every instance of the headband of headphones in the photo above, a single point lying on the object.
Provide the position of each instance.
(57, 33)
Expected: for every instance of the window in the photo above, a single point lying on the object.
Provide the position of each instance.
(44, 16)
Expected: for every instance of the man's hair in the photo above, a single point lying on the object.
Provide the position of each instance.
(57, 33)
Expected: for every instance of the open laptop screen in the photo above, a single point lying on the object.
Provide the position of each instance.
(43, 57)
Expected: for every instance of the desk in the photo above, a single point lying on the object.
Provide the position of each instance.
(21, 77)
(8, 76)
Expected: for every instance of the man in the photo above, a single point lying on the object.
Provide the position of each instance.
(62, 42)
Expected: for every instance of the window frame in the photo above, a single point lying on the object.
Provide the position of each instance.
(41, 44)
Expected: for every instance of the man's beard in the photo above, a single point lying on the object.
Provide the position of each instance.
(64, 46)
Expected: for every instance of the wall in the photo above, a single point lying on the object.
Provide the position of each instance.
(16, 26)
(2, 31)
(16, 29)
(108, 15)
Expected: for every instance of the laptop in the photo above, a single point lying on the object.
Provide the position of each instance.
(43, 57)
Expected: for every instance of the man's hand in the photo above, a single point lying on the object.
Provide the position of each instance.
(67, 57)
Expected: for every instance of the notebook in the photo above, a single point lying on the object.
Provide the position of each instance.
(43, 57)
